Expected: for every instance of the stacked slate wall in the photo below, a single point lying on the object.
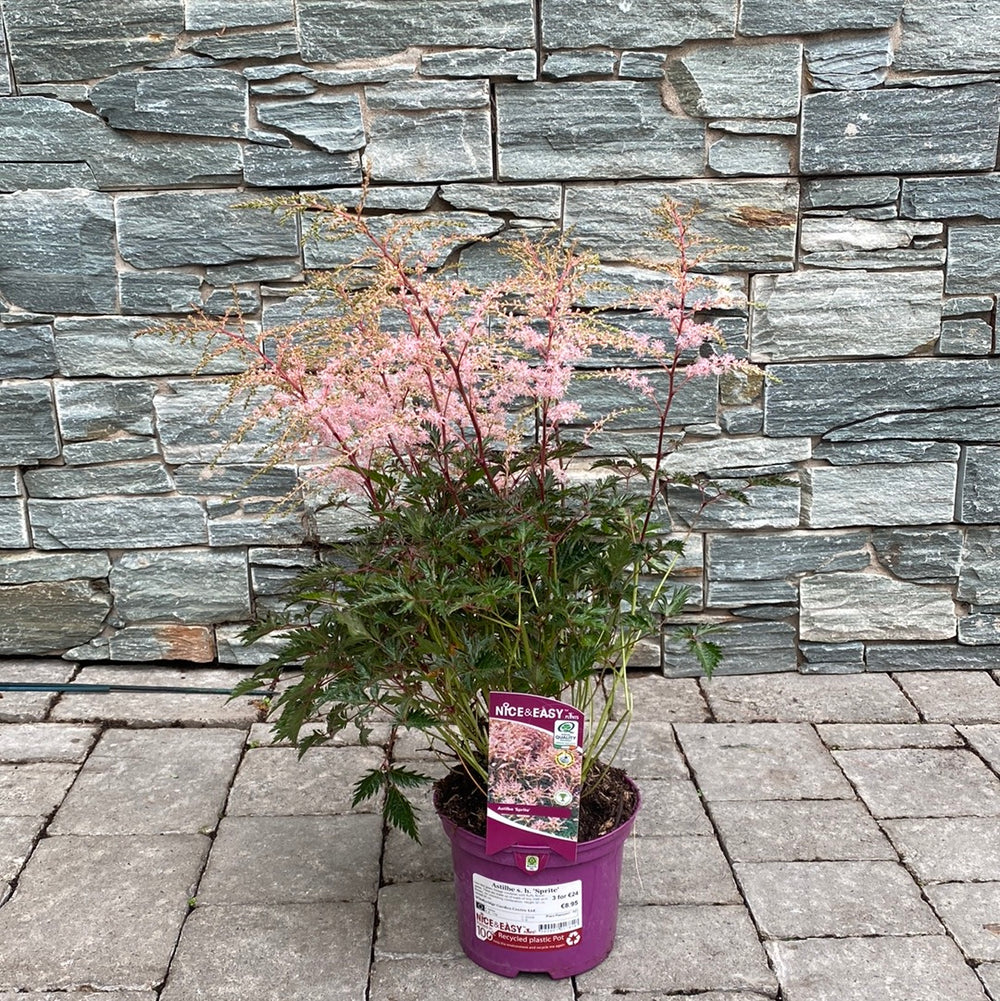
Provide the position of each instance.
(845, 154)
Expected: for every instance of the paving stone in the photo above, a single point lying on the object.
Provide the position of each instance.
(273, 781)
(670, 807)
(298, 952)
(666, 700)
(80, 996)
(921, 782)
(953, 696)
(17, 839)
(302, 866)
(882, 131)
(797, 698)
(162, 781)
(948, 849)
(144, 709)
(650, 751)
(875, 736)
(457, 979)
(34, 789)
(989, 973)
(799, 831)
(740, 761)
(406, 861)
(834, 899)
(969, 912)
(629, 132)
(98, 911)
(928, 967)
(699, 948)
(27, 742)
(676, 870)
(417, 919)
(985, 740)
(29, 707)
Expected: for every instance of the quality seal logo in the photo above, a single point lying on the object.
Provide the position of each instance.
(564, 758)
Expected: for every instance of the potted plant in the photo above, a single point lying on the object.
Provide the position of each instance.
(498, 547)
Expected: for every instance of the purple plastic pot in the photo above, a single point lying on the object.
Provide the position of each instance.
(528, 910)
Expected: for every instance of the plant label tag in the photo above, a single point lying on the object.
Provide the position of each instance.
(535, 758)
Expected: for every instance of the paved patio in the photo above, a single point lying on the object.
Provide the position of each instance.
(809, 838)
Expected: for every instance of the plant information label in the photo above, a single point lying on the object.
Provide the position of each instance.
(535, 758)
(528, 917)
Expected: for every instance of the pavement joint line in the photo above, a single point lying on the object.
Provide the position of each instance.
(906, 695)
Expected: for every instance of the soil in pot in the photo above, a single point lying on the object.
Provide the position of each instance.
(607, 802)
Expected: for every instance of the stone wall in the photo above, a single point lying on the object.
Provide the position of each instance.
(846, 155)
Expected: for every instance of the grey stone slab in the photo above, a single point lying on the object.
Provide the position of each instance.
(798, 698)
(747, 156)
(113, 345)
(45, 130)
(816, 314)
(21, 743)
(848, 192)
(890, 968)
(455, 979)
(22, 176)
(676, 870)
(948, 849)
(985, 740)
(973, 263)
(979, 499)
(979, 630)
(953, 696)
(521, 64)
(17, 840)
(331, 31)
(853, 736)
(98, 911)
(204, 15)
(569, 63)
(27, 352)
(193, 644)
(156, 708)
(862, 453)
(935, 36)
(921, 782)
(314, 952)
(834, 899)
(188, 586)
(138, 521)
(885, 400)
(332, 123)
(929, 555)
(725, 81)
(170, 229)
(50, 43)
(640, 25)
(59, 251)
(842, 607)
(952, 196)
(969, 912)
(122, 478)
(972, 336)
(789, 17)
(849, 232)
(741, 761)
(254, 522)
(157, 781)
(198, 101)
(907, 130)
(778, 555)
(533, 201)
(158, 292)
(34, 789)
(417, 919)
(671, 807)
(747, 648)
(308, 860)
(427, 95)
(274, 781)
(23, 568)
(268, 167)
(97, 409)
(979, 578)
(752, 221)
(799, 831)
(30, 707)
(13, 524)
(27, 625)
(699, 948)
(849, 63)
(629, 132)
(931, 657)
(248, 45)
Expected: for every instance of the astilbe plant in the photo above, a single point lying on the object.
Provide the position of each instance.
(493, 555)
